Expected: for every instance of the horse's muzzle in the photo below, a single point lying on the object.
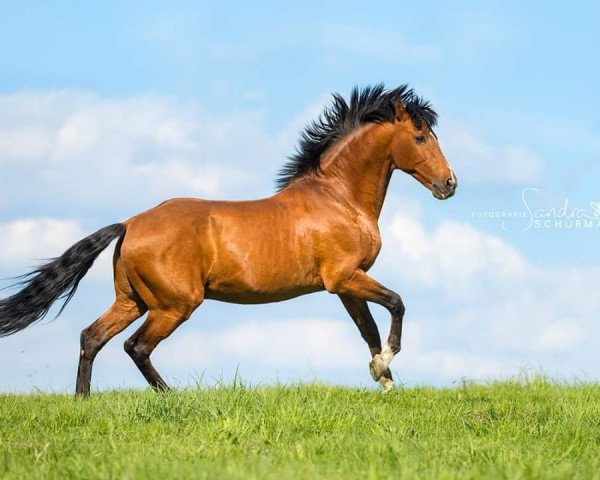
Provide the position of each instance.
(446, 189)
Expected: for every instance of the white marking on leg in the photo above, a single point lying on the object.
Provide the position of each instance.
(387, 384)
(386, 355)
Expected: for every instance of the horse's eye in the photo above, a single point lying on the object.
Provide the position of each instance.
(420, 138)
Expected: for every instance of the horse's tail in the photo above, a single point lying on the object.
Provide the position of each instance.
(55, 279)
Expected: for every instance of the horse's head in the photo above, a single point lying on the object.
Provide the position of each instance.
(416, 151)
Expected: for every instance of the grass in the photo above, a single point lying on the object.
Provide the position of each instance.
(516, 429)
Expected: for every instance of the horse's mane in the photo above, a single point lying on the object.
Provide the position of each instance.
(369, 104)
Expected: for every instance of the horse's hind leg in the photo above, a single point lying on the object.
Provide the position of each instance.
(120, 315)
(158, 326)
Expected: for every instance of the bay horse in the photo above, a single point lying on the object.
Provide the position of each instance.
(319, 231)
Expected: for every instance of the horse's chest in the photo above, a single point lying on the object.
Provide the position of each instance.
(370, 245)
(365, 240)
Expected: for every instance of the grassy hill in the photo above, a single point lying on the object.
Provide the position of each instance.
(530, 429)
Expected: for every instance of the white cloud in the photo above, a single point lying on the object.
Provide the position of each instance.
(417, 358)
(499, 299)
(207, 181)
(120, 156)
(32, 239)
(297, 349)
(316, 343)
(27, 242)
(455, 365)
(561, 335)
(479, 162)
(455, 255)
(60, 126)
(319, 343)
(126, 154)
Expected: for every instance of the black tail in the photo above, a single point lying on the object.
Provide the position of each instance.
(58, 278)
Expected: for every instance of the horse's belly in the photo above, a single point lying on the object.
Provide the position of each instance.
(252, 295)
(254, 268)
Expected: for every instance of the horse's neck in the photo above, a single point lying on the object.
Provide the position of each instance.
(361, 166)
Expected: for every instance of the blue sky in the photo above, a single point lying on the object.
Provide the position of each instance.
(106, 110)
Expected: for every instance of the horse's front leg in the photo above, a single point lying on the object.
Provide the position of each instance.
(363, 287)
(360, 313)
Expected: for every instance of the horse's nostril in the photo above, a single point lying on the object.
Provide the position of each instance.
(450, 182)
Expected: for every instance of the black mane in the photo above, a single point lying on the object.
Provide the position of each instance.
(370, 104)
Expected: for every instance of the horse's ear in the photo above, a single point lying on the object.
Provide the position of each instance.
(399, 111)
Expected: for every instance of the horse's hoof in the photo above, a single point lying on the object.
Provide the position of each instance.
(377, 368)
(387, 384)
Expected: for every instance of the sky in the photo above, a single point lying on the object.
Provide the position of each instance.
(108, 108)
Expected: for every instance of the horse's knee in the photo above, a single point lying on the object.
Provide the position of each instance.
(397, 308)
(83, 337)
(90, 344)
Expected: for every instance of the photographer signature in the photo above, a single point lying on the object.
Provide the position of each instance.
(565, 216)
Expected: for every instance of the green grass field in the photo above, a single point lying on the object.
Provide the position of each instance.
(527, 429)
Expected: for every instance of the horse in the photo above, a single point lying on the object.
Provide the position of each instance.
(319, 231)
